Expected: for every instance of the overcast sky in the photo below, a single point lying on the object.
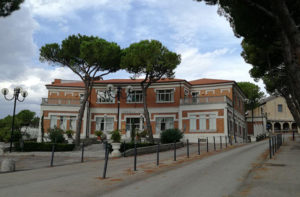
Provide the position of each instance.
(205, 40)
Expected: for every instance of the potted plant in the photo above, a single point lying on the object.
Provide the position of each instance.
(99, 135)
(116, 138)
(143, 135)
(70, 134)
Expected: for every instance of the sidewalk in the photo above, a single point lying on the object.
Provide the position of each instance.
(279, 176)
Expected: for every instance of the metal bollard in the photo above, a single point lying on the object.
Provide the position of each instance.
(82, 151)
(106, 160)
(226, 141)
(175, 151)
(220, 142)
(124, 148)
(135, 153)
(52, 155)
(206, 144)
(293, 135)
(275, 141)
(270, 148)
(157, 154)
(273, 147)
(214, 143)
(198, 146)
(187, 148)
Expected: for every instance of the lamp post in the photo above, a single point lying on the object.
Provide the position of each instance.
(15, 97)
(110, 90)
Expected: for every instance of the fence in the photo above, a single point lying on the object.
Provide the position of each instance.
(275, 143)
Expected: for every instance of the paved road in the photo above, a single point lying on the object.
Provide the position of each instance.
(219, 175)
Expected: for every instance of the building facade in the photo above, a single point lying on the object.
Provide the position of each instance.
(276, 113)
(200, 108)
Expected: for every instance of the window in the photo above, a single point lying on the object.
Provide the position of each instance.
(63, 123)
(81, 97)
(134, 123)
(164, 96)
(186, 93)
(212, 122)
(164, 123)
(195, 96)
(279, 107)
(104, 124)
(135, 96)
(53, 122)
(202, 122)
(193, 123)
(72, 123)
(104, 97)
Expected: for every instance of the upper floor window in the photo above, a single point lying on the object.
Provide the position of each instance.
(104, 97)
(165, 96)
(186, 93)
(135, 96)
(279, 106)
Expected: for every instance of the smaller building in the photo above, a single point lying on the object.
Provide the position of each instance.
(272, 115)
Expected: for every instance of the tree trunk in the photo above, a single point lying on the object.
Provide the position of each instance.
(81, 113)
(146, 113)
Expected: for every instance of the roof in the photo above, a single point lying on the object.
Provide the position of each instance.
(205, 81)
(68, 83)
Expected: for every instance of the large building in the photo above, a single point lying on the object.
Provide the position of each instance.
(200, 108)
(274, 113)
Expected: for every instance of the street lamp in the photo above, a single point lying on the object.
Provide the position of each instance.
(15, 97)
(110, 91)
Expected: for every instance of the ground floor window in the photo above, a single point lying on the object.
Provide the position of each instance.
(164, 123)
(104, 124)
(212, 122)
(72, 123)
(63, 122)
(53, 121)
(134, 124)
(206, 122)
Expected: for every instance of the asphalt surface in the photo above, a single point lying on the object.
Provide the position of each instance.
(210, 174)
(218, 175)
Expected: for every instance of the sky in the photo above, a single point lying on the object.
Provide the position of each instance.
(204, 39)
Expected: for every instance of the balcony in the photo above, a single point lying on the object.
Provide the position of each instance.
(205, 100)
(57, 101)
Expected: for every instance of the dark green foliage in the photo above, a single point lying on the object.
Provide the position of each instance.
(152, 60)
(86, 56)
(47, 147)
(56, 135)
(116, 136)
(8, 6)
(271, 43)
(170, 136)
(130, 145)
(252, 93)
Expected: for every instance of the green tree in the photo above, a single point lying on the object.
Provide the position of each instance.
(86, 56)
(8, 6)
(271, 43)
(153, 61)
(253, 94)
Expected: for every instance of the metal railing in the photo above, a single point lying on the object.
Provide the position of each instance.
(57, 101)
(205, 100)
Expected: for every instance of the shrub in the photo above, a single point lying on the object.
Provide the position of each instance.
(99, 133)
(56, 135)
(116, 136)
(44, 146)
(130, 145)
(5, 135)
(69, 133)
(170, 136)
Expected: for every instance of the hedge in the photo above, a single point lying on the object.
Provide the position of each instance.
(130, 145)
(46, 147)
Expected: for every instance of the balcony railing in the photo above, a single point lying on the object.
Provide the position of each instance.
(205, 100)
(57, 101)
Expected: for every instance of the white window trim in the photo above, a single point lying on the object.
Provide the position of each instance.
(206, 118)
(134, 102)
(102, 90)
(172, 101)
